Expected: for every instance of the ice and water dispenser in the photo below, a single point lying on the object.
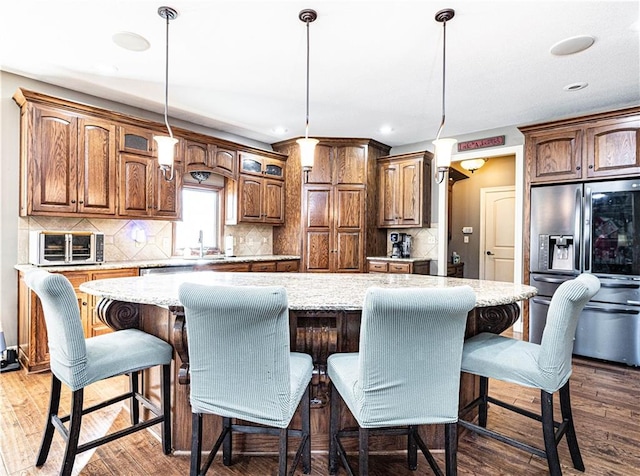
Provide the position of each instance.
(555, 252)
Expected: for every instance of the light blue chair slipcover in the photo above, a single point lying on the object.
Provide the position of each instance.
(78, 362)
(546, 366)
(241, 366)
(407, 370)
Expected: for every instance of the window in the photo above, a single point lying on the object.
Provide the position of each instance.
(200, 221)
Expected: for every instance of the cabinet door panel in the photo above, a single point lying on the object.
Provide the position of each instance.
(556, 155)
(196, 156)
(318, 208)
(321, 171)
(410, 192)
(318, 251)
(273, 201)
(96, 167)
(351, 165)
(136, 191)
(167, 193)
(614, 149)
(136, 140)
(387, 180)
(53, 172)
(350, 208)
(348, 251)
(225, 162)
(250, 191)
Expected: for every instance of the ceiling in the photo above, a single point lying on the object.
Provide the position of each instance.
(239, 66)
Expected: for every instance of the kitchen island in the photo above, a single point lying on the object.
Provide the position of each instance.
(325, 311)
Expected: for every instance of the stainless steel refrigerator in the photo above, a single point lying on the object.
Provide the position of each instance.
(590, 227)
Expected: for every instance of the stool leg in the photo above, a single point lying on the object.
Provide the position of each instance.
(334, 420)
(227, 443)
(548, 431)
(166, 408)
(451, 448)
(306, 430)
(196, 444)
(133, 401)
(282, 452)
(363, 451)
(49, 429)
(74, 432)
(412, 449)
(482, 408)
(572, 440)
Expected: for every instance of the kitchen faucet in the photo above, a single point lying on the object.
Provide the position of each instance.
(201, 241)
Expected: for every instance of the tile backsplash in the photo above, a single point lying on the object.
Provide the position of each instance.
(424, 242)
(129, 240)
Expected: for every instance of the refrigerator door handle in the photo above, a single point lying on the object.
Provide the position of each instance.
(606, 310)
(577, 227)
(549, 280)
(587, 230)
(620, 285)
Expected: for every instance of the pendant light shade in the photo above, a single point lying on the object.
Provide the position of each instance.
(443, 147)
(307, 146)
(166, 144)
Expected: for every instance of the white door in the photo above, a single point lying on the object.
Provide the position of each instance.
(497, 233)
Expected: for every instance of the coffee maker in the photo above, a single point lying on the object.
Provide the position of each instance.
(400, 245)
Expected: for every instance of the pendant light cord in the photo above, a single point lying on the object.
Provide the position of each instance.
(444, 63)
(166, 80)
(306, 130)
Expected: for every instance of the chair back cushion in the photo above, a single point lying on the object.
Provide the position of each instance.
(67, 347)
(239, 351)
(559, 332)
(410, 352)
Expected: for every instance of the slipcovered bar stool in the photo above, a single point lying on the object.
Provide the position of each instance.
(241, 367)
(546, 366)
(406, 373)
(78, 362)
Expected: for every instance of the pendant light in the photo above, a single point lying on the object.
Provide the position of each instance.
(443, 146)
(307, 146)
(166, 144)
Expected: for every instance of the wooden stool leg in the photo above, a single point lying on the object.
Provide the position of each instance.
(572, 440)
(74, 432)
(282, 452)
(49, 429)
(334, 421)
(548, 431)
(306, 430)
(412, 449)
(196, 444)
(451, 448)
(227, 443)
(363, 451)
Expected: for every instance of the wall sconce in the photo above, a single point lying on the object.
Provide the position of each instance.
(307, 146)
(166, 145)
(443, 146)
(472, 164)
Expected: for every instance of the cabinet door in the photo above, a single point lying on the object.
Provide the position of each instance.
(554, 155)
(318, 243)
(53, 164)
(196, 156)
(613, 148)
(137, 140)
(350, 166)
(96, 167)
(167, 203)
(321, 172)
(250, 199)
(136, 185)
(250, 163)
(388, 179)
(225, 162)
(410, 192)
(349, 229)
(273, 201)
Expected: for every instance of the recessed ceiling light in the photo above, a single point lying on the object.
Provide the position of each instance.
(131, 41)
(572, 45)
(386, 130)
(575, 86)
(279, 130)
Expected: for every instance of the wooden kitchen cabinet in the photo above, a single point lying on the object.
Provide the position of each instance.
(598, 146)
(69, 162)
(404, 190)
(393, 266)
(33, 349)
(207, 157)
(258, 196)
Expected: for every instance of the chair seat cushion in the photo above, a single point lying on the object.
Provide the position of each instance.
(510, 360)
(118, 353)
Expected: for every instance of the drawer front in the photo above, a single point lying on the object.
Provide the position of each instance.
(378, 267)
(264, 267)
(399, 268)
(287, 266)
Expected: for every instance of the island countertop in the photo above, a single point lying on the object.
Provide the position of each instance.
(306, 291)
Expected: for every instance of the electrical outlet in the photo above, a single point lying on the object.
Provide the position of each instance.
(431, 240)
(466, 239)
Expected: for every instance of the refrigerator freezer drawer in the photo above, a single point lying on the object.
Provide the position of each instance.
(605, 331)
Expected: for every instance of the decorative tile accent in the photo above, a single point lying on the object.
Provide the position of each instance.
(424, 242)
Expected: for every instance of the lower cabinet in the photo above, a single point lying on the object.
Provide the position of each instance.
(394, 266)
(33, 350)
(455, 270)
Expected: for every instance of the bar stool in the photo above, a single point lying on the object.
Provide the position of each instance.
(546, 366)
(406, 373)
(78, 362)
(241, 367)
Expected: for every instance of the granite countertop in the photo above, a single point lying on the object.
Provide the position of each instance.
(306, 291)
(160, 263)
(400, 260)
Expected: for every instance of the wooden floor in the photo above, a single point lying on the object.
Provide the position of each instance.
(606, 403)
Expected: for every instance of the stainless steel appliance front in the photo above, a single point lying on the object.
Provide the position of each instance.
(51, 248)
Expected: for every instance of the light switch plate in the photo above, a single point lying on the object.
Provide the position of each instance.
(467, 229)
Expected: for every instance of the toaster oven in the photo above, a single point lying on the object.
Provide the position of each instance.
(51, 248)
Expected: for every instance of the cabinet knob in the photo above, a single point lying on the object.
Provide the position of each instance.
(81, 202)
(578, 167)
(84, 303)
(73, 201)
(590, 166)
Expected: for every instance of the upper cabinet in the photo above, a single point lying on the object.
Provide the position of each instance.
(591, 147)
(207, 157)
(404, 190)
(258, 194)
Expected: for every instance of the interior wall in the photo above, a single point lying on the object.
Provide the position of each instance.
(465, 203)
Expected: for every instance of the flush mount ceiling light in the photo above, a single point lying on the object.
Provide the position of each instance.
(575, 86)
(572, 45)
(200, 175)
(472, 164)
(443, 146)
(166, 145)
(307, 146)
(131, 41)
